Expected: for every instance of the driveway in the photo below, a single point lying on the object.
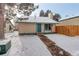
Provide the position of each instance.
(26, 45)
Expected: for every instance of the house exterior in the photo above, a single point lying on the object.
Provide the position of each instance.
(68, 26)
(29, 25)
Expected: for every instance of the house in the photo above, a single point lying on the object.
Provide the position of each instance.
(29, 25)
(69, 26)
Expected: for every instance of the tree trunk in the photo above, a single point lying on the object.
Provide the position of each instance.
(1, 21)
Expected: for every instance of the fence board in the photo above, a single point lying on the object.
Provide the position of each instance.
(70, 30)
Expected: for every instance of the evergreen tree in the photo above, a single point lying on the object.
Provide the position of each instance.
(41, 13)
(47, 12)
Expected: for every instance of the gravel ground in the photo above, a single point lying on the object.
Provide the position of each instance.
(27, 45)
(70, 44)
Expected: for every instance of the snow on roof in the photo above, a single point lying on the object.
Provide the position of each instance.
(37, 20)
(68, 18)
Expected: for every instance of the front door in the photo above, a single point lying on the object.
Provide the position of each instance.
(38, 27)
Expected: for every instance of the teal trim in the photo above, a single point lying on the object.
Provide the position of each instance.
(38, 27)
(2, 49)
(8, 45)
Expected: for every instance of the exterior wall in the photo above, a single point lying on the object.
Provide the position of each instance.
(53, 28)
(74, 21)
(31, 28)
(26, 28)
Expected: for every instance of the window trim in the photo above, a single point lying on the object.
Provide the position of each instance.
(48, 27)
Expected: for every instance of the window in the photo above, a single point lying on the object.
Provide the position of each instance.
(47, 26)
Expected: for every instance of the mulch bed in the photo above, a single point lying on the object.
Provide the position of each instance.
(52, 47)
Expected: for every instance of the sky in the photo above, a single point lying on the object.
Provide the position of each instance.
(66, 10)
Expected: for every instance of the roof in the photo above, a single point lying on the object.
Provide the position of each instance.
(38, 20)
(69, 18)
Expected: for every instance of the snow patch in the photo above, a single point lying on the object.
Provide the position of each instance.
(67, 43)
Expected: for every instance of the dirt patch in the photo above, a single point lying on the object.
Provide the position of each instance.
(54, 49)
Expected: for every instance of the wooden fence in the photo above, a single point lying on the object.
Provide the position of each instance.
(70, 30)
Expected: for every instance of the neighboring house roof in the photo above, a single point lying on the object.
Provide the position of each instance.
(69, 18)
(37, 20)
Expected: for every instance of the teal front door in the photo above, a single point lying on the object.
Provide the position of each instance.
(38, 27)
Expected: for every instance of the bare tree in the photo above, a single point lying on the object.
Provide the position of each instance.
(1, 21)
(26, 8)
(57, 17)
(9, 10)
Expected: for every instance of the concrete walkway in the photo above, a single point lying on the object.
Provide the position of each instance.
(27, 45)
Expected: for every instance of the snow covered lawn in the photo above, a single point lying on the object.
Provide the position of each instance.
(70, 44)
(27, 45)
